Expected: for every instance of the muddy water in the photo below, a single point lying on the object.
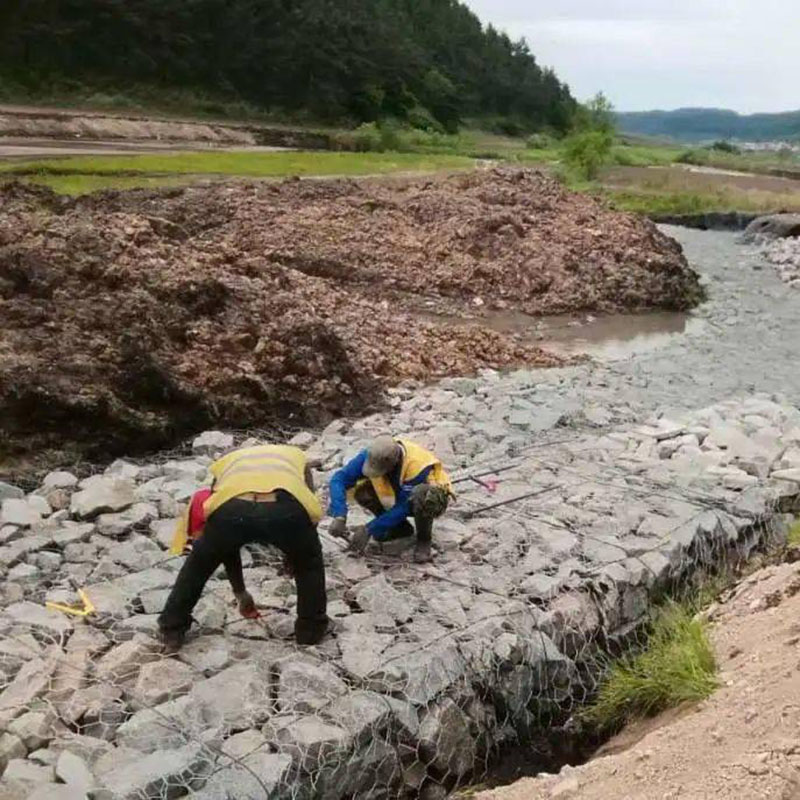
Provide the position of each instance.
(606, 337)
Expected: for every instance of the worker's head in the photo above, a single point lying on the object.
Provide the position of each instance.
(383, 454)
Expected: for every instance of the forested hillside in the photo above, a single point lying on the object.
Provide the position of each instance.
(430, 62)
(698, 124)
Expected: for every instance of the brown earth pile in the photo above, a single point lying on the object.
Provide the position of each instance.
(128, 320)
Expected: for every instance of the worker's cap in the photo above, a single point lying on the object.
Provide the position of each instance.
(382, 456)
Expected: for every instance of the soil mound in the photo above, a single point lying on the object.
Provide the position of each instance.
(128, 320)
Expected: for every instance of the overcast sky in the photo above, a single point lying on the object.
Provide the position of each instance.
(645, 54)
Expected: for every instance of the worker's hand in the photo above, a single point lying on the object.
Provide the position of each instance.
(338, 528)
(247, 606)
(359, 540)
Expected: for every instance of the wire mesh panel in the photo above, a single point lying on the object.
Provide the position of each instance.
(551, 558)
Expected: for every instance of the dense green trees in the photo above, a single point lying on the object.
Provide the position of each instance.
(429, 62)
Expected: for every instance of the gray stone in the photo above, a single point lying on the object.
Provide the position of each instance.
(74, 771)
(20, 770)
(163, 530)
(19, 512)
(35, 728)
(211, 442)
(122, 663)
(305, 688)
(772, 226)
(308, 740)
(378, 596)
(117, 525)
(72, 532)
(303, 439)
(104, 495)
(38, 619)
(11, 747)
(362, 714)
(207, 653)
(160, 681)
(239, 697)
(55, 791)
(161, 774)
(446, 741)
(59, 480)
(9, 492)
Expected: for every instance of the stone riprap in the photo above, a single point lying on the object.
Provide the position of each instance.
(614, 486)
(556, 543)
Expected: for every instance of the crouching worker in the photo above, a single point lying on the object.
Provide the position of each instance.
(394, 479)
(262, 495)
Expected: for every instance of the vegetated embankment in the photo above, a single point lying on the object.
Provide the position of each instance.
(128, 320)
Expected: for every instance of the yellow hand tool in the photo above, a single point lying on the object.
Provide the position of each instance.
(84, 610)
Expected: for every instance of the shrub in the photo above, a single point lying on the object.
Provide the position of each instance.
(585, 153)
(723, 146)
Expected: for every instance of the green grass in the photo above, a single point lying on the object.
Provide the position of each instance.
(793, 537)
(676, 667)
(85, 184)
(84, 174)
(245, 163)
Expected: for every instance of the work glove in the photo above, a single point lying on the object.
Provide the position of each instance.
(247, 606)
(359, 540)
(338, 528)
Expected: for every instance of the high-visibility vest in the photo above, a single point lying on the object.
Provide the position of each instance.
(415, 459)
(262, 469)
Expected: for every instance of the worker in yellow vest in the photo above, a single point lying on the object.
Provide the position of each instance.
(263, 495)
(394, 479)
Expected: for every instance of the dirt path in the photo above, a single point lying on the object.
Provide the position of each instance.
(742, 743)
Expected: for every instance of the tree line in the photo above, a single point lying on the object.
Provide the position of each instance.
(430, 63)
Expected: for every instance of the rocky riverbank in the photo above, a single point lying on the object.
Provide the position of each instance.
(551, 552)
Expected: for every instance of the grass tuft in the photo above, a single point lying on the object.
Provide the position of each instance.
(793, 537)
(677, 666)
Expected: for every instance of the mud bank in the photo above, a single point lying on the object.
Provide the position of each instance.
(128, 320)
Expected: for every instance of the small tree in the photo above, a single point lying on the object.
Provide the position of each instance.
(585, 153)
(589, 147)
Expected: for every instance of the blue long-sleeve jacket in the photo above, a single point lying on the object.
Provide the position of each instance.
(351, 473)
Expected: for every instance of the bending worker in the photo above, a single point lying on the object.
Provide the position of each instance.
(263, 495)
(393, 479)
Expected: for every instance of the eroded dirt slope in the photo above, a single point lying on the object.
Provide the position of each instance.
(742, 743)
(130, 319)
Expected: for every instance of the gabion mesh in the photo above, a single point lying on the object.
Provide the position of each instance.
(550, 560)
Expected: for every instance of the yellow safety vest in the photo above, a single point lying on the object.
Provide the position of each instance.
(415, 459)
(262, 469)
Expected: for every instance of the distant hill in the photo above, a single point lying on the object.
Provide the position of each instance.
(697, 124)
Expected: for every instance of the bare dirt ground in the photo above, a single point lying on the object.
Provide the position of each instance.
(30, 131)
(127, 320)
(740, 744)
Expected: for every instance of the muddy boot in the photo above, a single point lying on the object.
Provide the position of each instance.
(402, 531)
(422, 553)
(172, 641)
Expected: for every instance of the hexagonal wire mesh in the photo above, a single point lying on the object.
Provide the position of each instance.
(550, 560)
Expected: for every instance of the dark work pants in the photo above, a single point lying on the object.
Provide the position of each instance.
(284, 524)
(366, 497)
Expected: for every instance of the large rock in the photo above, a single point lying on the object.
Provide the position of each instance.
(250, 770)
(167, 773)
(38, 619)
(377, 595)
(308, 740)
(773, 226)
(305, 688)
(20, 512)
(74, 771)
(160, 681)
(103, 495)
(239, 697)
(11, 747)
(123, 663)
(31, 681)
(446, 741)
(137, 516)
(9, 492)
(212, 442)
